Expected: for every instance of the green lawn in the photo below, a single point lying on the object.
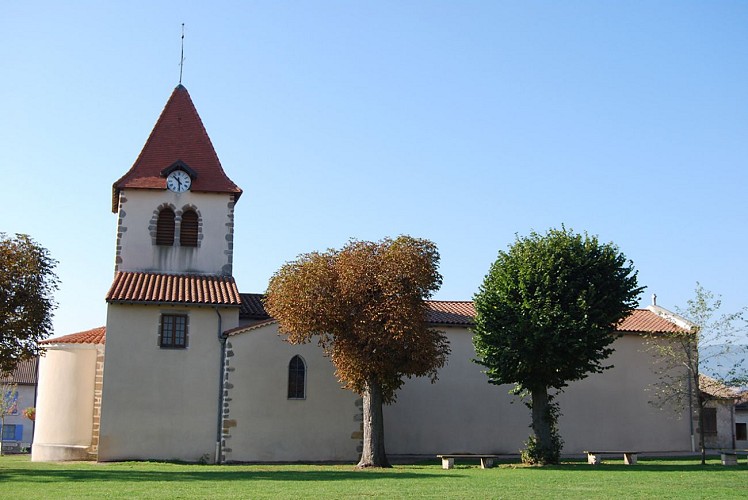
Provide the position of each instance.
(671, 478)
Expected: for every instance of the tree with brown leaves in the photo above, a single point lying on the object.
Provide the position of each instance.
(366, 305)
(27, 285)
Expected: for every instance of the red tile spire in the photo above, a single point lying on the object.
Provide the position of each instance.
(178, 136)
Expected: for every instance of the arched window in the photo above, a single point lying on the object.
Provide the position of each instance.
(165, 227)
(188, 229)
(296, 378)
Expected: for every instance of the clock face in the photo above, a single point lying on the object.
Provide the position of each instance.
(178, 181)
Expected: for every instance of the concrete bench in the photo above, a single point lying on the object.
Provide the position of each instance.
(595, 457)
(730, 457)
(486, 461)
(11, 447)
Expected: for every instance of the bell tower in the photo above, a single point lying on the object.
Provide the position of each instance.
(173, 296)
(175, 205)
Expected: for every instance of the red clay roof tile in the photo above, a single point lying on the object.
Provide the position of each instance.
(450, 312)
(93, 336)
(250, 327)
(461, 312)
(440, 312)
(179, 135)
(129, 287)
(645, 321)
(715, 389)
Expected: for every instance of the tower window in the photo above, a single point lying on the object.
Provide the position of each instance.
(188, 229)
(173, 331)
(165, 227)
(296, 378)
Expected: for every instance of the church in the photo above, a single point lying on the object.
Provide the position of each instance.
(188, 368)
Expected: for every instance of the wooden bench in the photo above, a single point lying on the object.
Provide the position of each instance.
(486, 461)
(595, 457)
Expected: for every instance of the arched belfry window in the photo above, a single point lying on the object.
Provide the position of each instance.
(296, 378)
(188, 229)
(165, 227)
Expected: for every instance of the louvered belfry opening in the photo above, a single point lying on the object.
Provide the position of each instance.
(188, 229)
(165, 227)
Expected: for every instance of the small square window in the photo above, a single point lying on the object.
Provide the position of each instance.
(9, 432)
(741, 431)
(173, 331)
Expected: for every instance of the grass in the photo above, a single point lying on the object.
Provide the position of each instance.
(662, 478)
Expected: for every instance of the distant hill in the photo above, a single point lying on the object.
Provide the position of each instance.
(718, 366)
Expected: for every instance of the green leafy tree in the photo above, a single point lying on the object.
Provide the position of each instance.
(366, 306)
(8, 406)
(27, 284)
(545, 315)
(702, 360)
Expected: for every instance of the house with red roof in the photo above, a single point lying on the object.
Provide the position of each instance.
(720, 412)
(189, 368)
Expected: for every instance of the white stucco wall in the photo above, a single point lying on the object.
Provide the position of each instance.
(65, 402)
(611, 410)
(460, 413)
(270, 427)
(161, 403)
(463, 413)
(136, 250)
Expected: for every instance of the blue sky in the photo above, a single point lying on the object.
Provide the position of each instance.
(465, 122)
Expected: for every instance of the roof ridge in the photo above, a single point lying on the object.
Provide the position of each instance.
(178, 275)
(93, 336)
(462, 301)
(246, 328)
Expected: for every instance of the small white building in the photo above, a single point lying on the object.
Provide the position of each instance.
(194, 370)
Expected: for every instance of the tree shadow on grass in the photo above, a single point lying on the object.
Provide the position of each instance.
(44, 475)
(646, 465)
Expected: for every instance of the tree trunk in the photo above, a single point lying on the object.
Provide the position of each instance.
(373, 454)
(701, 435)
(541, 423)
(700, 405)
(693, 368)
